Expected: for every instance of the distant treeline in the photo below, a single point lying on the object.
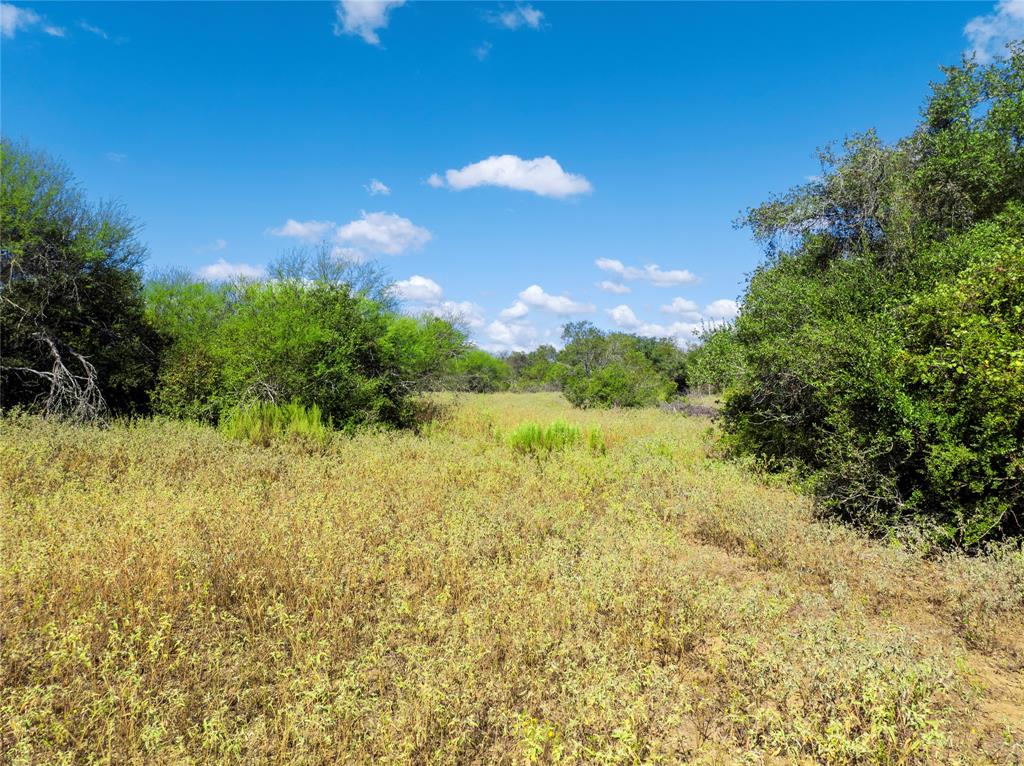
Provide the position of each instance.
(85, 336)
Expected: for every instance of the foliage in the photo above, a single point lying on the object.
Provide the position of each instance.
(262, 423)
(883, 338)
(172, 595)
(476, 370)
(716, 363)
(318, 343)
(612, 370)
(76, 343)
(537, 370)
(535, 439)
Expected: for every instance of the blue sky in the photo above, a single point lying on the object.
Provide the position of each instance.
(523, 153)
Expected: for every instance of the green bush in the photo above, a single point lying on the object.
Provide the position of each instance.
(319, 343)
(882, 342)
(534, 439)
(717, 362)
(263, 423)
(76, 342)
(609, 370)
(477, 371)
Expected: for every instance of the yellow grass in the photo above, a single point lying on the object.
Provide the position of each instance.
(170, 595)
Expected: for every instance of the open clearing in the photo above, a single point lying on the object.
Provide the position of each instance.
(170, 596)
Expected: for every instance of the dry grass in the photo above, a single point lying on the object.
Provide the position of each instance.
(168, 595)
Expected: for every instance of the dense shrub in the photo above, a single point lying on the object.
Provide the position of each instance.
(480, 372)
(318, 343)
(882, 341)
(716, 362)
(609, 370)
(75, 339)
(537, 370)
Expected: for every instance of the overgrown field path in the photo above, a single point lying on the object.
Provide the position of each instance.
(170, 596)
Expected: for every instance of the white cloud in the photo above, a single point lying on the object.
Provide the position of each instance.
(543, 176)
(304, 230)
(435, 181)
(222, 270)
(510, 336)
(116, 156)
(481, 53)
(684, 330)
(425, 291)
(616, 288)
(53, 31)
(625, 319)
(417, 288)
(459, 311)
(364, 17)
(521, 15)
(516, 311)
(93, 29)
(386, 233)
(989, 34)
(212, 247)
(683, 308)
(535, 297)
(723, 308)
(13, 18)
(376, 187)
(651, 273)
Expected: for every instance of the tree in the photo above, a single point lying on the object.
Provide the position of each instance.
(476, 370)
(76, 342)
(881, 342)
(609, 370)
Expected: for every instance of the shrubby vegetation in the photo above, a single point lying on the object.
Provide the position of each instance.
(75, 339)
(83, 337)
(618, 370)
(883, 339)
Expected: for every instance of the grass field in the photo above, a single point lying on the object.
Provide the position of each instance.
(169, 595)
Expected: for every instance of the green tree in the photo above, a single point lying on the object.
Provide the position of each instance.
(881, 340)
(76, 342)
(476, 370)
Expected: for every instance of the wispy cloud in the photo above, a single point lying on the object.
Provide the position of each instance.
(510, 336)
(92, 29)
(524, 15)
(990, 33)
(650, 273)
(212, 247)
(376, 186)
(371, 234)
(482, 51)
(13, 18)
(428, 295)
(363, 18)
(616, 288)
(516, 311)
(308, 231)
(222, 270)
(115, 156)
(686, 328)
(543, 176)
(418, 288)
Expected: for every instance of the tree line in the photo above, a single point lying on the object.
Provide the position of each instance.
(86, 336)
